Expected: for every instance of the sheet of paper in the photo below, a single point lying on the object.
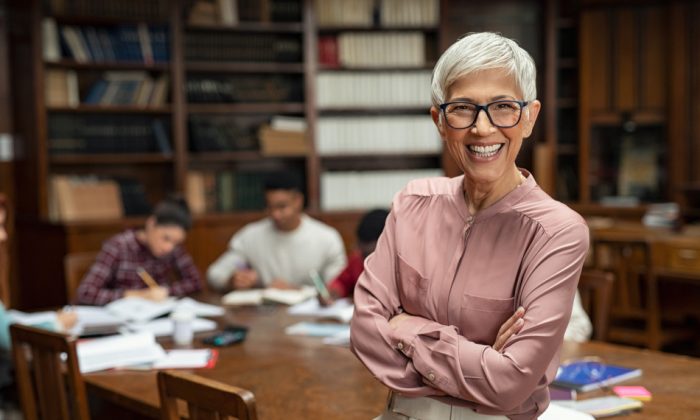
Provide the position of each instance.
(340, 310)
(140, 310)
(184, 359)
(164, 326)
(315, 329)
(198, 308)
(289, 296)
(118, 351)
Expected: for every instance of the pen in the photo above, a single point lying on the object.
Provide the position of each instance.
(146, 278)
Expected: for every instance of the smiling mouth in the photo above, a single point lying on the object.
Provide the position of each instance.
(485, 151)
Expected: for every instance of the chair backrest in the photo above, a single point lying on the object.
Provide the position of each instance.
(49, 388)
(205, 398)
(75, 267)
(595, 287)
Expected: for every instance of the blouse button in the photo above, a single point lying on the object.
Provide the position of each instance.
(400, 346)
(431, 376)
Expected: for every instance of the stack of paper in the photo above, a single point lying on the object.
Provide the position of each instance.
(95, 320)
(198, 308)
(332, 333)
(602, 406)
(164, 326)
(187, 359)
(118, 351)
(257, 296)
(341, 309)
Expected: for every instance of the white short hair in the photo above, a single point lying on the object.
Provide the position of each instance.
(484, 51)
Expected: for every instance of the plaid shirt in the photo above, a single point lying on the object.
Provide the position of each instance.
(115, 271)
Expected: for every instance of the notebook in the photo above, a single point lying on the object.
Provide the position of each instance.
(586, 375)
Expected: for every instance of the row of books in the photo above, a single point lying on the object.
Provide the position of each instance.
(125, 9)
(219, 133)
(377, 134)
(232, 12)
(353, 190)
(385, 13)
(86, 134)
(243, 47)
(126, 42)
(245, 88)
(128, 88)
(359, 49)
(381, 89)
(224, 191)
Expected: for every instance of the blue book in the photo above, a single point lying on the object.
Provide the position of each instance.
(587, 375)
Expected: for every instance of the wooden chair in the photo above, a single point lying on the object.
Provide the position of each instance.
(595, 287)
(75, 267)
(205, 398)
(48, 387)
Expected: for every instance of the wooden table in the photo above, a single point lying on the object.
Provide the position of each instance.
(296, 377)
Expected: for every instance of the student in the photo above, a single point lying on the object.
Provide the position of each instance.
(155, 249)
(368, 231)
(281, 249)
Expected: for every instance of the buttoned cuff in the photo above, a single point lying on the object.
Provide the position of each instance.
(406, 333)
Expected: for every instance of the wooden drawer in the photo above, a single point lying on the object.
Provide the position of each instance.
(682, 256)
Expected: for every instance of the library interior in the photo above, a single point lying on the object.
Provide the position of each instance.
(197, 185)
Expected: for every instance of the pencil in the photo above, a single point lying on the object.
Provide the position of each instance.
(146, 278)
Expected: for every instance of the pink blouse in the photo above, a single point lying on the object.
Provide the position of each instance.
(460, 277)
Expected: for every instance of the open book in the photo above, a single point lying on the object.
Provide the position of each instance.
(257, 296)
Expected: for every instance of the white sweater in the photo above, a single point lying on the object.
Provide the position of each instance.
(284, 255)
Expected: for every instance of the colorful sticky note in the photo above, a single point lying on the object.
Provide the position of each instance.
(636, 392)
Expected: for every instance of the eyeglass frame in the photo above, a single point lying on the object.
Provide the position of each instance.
(484, 107)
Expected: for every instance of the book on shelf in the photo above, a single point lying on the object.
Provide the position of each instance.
(213, 133)
(243, 47)
(50, 40)
(409, 13)
(62, 88)
(587, 375)
(133, 195)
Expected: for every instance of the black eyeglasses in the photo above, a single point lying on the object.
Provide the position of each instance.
(501, 114)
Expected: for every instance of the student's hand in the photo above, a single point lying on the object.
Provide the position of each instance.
(509, 328)
(66, 319)
(244, 279)
(151, 293)
(325, 301)
(281, 284)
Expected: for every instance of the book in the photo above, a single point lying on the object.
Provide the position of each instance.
(118, 351)
(601, 406)
(258, 296)
(587, 375)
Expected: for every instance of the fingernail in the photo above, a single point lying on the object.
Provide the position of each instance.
(519, 322)
(520, 310)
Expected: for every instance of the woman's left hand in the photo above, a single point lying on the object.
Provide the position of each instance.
(394, 322)
(510, 327)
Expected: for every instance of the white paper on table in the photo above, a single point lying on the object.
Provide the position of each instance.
(164, 326)
(93, 317)
(184, 359)
(139, 309)
(34, 318)
(243, 297)
(340, 310)
(118, 351)
(257, 296)
(198, 308)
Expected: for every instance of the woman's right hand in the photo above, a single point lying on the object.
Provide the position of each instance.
(509, 328)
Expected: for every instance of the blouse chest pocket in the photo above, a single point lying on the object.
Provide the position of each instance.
(412, 287)
(482, 317)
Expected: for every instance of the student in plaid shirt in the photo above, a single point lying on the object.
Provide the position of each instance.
(156, 249)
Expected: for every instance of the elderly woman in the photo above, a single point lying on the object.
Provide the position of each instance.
(459, 256)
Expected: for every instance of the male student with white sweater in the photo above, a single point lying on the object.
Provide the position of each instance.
(281, 249)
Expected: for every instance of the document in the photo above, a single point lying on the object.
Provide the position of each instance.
(164, 326)
(331, 332)
(187, 359)
(198, 308)
(95, 320)
(139, 309)
(118, 351)
(341, 309)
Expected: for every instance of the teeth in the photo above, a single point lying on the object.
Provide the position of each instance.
(485, 151)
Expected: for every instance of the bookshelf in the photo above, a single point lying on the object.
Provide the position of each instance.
(373, 130)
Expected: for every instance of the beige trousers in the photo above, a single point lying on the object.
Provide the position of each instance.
(424, 408)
